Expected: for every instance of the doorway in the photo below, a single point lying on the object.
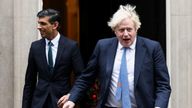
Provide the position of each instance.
(94, 15)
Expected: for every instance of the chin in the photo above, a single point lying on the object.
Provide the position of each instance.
(43, 36)
(126, 44)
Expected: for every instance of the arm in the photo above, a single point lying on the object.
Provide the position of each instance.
(79, 88)
(86, 79)
(30, 82)
(77, 67)
(162, 80)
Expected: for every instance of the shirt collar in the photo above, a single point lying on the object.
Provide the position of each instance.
(55, 40)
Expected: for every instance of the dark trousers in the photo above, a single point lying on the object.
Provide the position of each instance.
(48, 103)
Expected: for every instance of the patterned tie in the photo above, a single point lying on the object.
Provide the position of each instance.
(50, 56)
(123, 85)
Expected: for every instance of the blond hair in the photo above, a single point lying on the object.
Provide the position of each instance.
(127, 11)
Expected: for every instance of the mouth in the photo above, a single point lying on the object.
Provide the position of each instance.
(126, 40)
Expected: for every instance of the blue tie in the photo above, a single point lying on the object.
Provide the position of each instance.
(50, 56)
(123, 85)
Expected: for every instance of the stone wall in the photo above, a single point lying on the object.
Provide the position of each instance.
(179, 51)
(17, 31)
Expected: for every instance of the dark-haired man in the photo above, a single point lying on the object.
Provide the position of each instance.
(51, 60)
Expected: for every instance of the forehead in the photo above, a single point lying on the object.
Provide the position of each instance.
(126, 23)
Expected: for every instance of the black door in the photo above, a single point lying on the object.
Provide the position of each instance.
(94, 15)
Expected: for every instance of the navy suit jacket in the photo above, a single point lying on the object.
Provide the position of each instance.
(40, 82)
(151, 78)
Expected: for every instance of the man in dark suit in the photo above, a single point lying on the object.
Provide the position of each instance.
(146, 71)
(50, 63)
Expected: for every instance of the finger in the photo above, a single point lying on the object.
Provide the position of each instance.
(65, 99)
(60, 100)
(60, 105)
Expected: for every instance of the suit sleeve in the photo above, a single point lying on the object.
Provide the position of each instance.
(86, 79)
(30, 81)
(78, 64)
(162, 80)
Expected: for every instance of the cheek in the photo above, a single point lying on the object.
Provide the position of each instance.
(118, 34)
(132, 34)
(43, 29)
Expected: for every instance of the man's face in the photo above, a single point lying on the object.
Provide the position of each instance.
(45, 27)
(126, 32)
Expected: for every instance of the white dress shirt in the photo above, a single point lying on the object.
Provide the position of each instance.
(130, 58)
(55, 42)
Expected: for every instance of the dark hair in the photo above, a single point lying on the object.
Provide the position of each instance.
(53, 14)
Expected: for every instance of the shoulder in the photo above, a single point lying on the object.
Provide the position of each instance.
(38, 43)
(65, 40)
(151, 46)
(147, 42)
(107, 41)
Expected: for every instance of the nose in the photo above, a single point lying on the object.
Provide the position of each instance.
(126, 32)
(38, 26)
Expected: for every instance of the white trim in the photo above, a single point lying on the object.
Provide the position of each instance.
(40, 7)
(168, 39)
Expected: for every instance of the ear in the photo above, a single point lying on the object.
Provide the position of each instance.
(55, 24)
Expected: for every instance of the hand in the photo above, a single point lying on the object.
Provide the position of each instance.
(69, 104)
(62, 100)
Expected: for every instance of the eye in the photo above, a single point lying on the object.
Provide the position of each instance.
(121, 30)
(129, 29)
(42, 23)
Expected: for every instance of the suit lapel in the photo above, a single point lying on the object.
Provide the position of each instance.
(139, 56)
(42, 53)
(111, 56)
(111, 52)
(61, 46)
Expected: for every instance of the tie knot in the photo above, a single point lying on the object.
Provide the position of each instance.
(50, 43)
(125, 49)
